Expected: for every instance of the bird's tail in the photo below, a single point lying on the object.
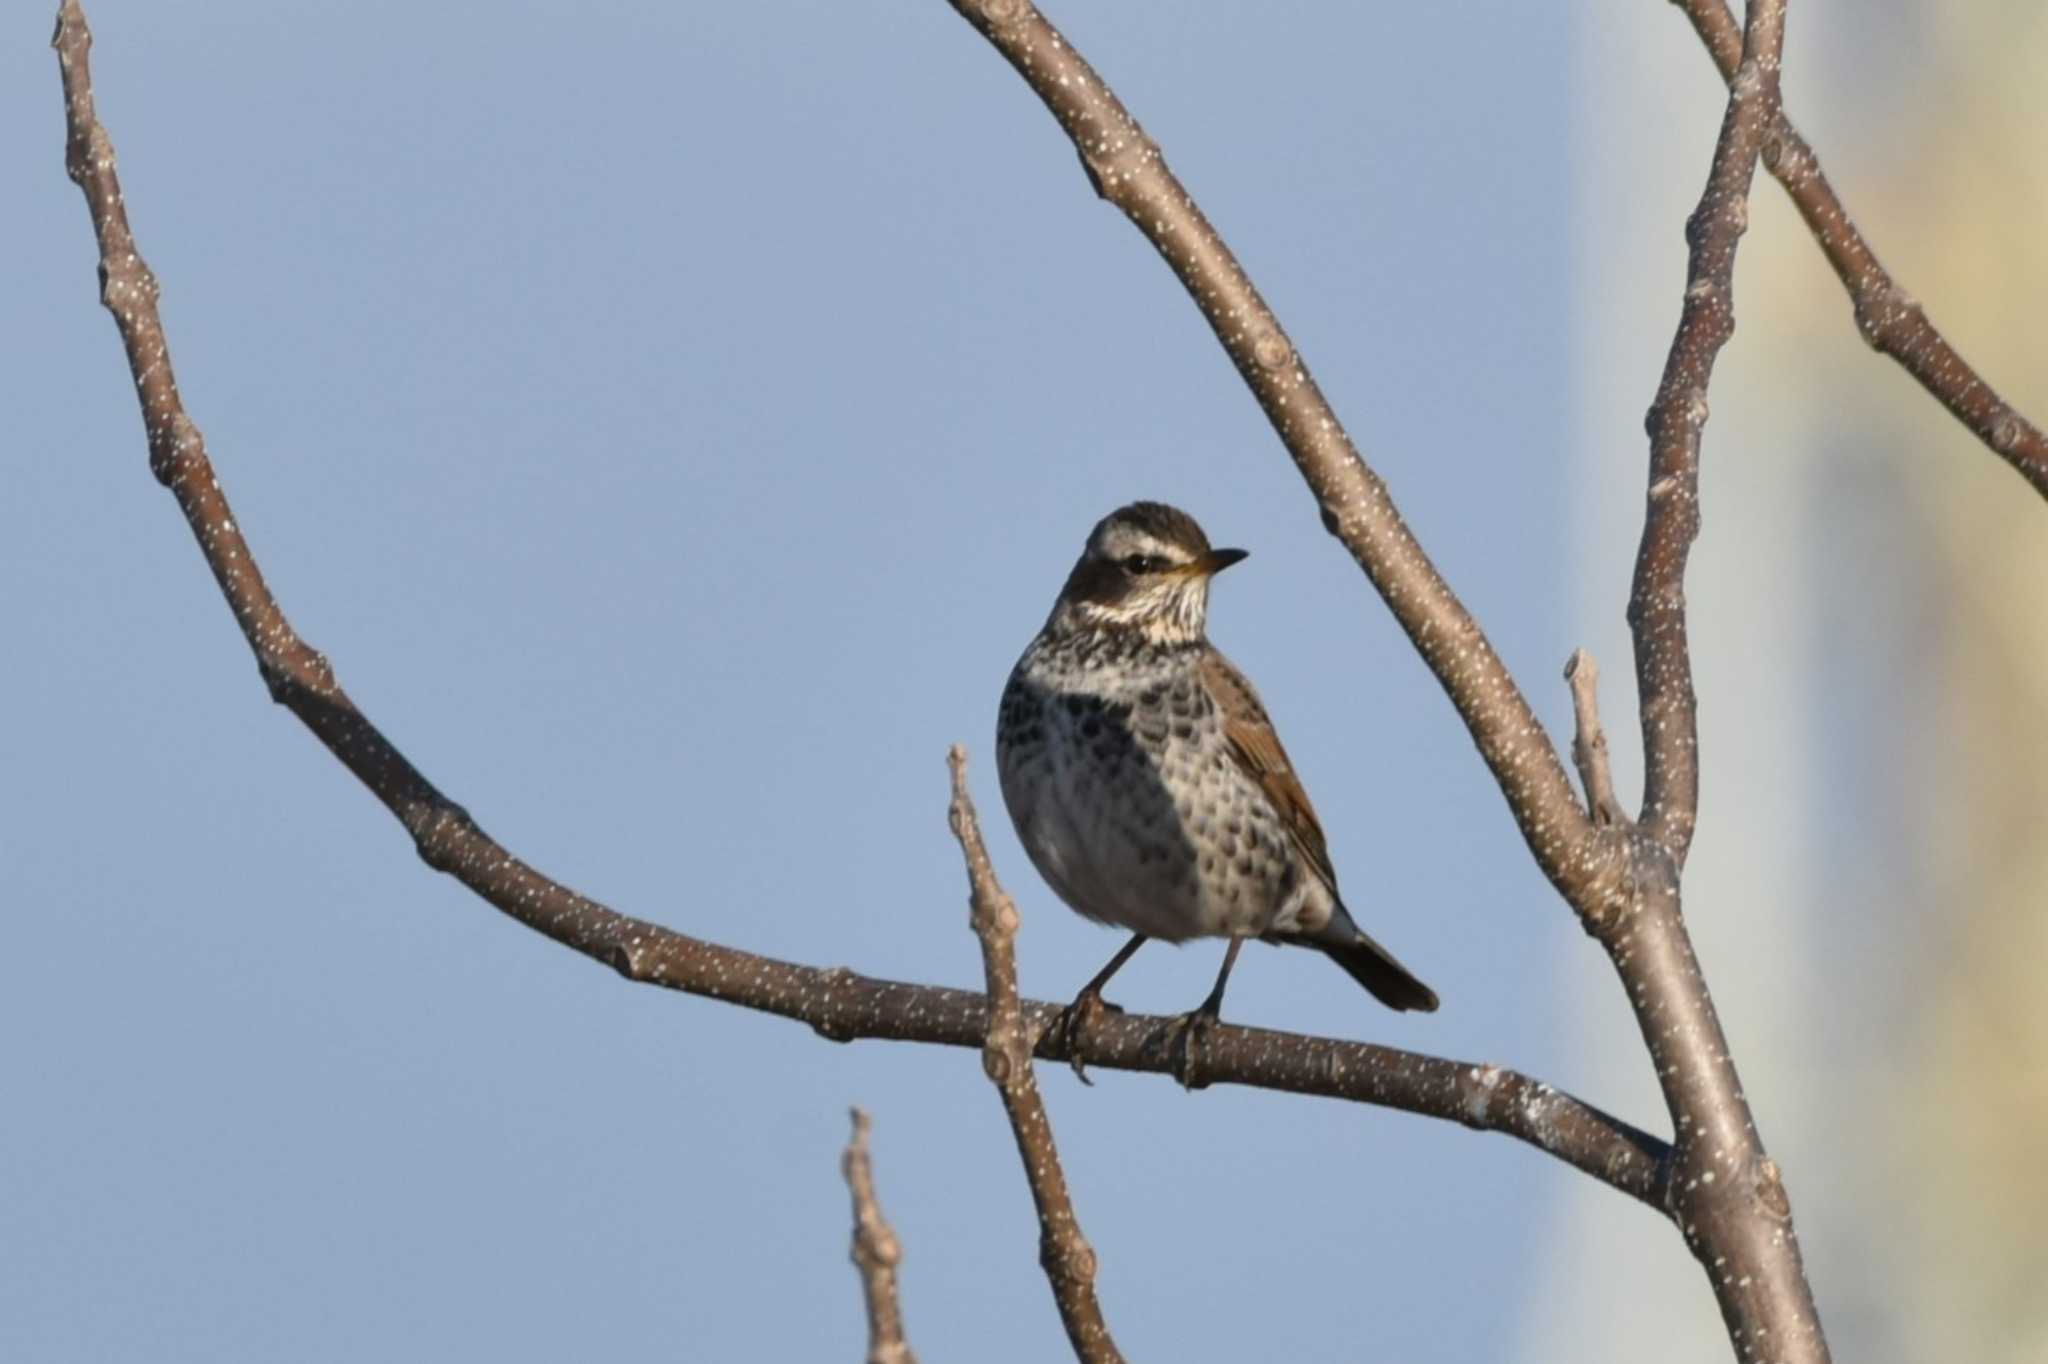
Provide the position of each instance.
(1372, 966)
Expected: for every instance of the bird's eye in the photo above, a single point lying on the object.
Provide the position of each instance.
(1143, 563)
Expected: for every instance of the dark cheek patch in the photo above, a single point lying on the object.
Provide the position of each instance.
(1095, 580)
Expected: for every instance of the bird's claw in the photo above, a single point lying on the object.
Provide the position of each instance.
(1185, 1040)
(1071, 1030)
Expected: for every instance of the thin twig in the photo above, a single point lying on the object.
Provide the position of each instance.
(837, 1003)
(1068, 1259)
(876, 1252)
(1889, 317)
(1127, 168)
(1589, 740)
(1656, 608)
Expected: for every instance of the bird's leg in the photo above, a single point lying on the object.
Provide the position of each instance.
(1073, 1023)
(1212, 1008)
(1189, 1029)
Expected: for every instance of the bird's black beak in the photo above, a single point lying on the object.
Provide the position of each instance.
(1216, 560)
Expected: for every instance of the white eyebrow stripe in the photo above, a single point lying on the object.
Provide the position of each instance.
(1120, 541)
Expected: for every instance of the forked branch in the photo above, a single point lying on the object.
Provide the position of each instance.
(1728, 1198)
(1891, 320)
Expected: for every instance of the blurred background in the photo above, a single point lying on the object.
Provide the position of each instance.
(673, 420)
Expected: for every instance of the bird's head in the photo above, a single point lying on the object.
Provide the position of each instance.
(1145, 571)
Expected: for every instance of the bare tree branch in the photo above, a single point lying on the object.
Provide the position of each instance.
(1589, 740)
(1656, 608)
(1068, 1258)
(876, 1252)
(837, 1003)
(1127, 168)
(1891, 320)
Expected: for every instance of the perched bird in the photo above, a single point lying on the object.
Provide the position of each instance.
(1145, 780)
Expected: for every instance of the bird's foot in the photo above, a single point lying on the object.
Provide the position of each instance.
(1071, 1031)
(1187, 1046)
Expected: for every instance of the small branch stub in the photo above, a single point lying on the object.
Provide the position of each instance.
(1589, 740)
(876, 1252)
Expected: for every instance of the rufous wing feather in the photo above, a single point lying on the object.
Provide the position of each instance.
(1256, 746)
